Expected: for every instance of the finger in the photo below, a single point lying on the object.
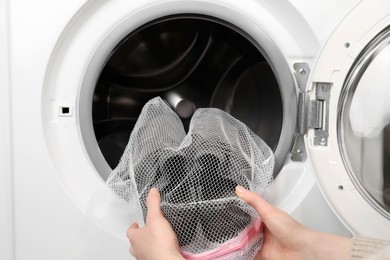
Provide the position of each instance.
(132, 252)
(262, 207)
(277, 222)
(153, 203)
(132, 229)
(134, 225)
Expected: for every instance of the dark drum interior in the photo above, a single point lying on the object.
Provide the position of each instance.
(191, 62)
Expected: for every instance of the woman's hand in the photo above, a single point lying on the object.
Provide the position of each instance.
(285, 238)
(156, 240)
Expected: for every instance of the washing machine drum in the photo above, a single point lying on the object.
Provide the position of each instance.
(190, 62)
(196, 174)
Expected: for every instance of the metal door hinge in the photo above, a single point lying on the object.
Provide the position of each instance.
(319, 113)
(312, 113)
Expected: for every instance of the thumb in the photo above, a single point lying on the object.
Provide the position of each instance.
(153, 204)
(279, 223)
(262, 207)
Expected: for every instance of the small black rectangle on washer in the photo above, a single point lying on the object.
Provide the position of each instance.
(65, 110)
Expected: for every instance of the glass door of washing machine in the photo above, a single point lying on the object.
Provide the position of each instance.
(364, 123)
(350, 147)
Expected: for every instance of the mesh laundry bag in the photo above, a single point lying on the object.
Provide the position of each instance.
(196, 174)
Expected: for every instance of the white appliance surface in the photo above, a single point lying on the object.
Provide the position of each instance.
(49, 170)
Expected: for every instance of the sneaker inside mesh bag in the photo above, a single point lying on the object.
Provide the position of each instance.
(196, 174)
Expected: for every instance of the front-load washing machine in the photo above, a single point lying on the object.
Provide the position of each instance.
(77, 73)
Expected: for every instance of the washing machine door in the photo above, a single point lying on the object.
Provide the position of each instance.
(347, 119)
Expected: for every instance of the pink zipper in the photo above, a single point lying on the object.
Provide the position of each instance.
(212, 254)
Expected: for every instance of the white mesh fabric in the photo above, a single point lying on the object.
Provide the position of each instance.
(196, 174)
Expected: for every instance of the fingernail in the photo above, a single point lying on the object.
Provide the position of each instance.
(240, 189)
(153, 191)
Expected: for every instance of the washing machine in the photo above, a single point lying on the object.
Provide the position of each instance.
(75, 75)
